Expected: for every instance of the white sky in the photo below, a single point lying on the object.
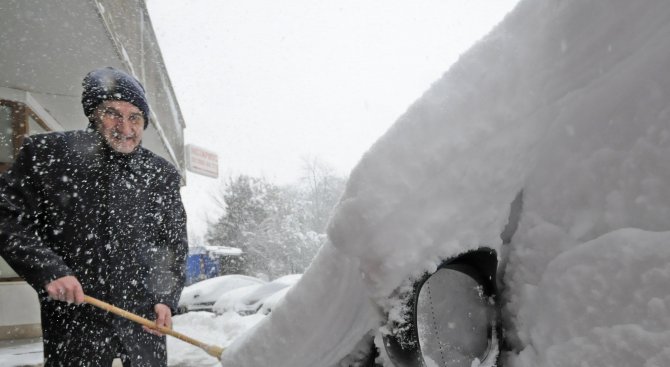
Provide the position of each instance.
(265, 83)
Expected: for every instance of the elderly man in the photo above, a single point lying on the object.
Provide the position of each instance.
(93, 212)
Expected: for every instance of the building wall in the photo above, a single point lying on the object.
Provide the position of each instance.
(47, 48)
(19, 311)
(130, 29)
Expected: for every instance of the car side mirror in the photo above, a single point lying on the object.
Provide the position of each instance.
(453, 318)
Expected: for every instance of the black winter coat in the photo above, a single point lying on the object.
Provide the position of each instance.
(70, 205)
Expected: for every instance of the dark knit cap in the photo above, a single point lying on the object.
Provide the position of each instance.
(112, 84)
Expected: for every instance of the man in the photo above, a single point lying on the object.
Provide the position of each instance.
(93, 212)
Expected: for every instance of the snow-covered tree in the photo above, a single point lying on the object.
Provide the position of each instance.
(279, 229)
(248, 201)
(282, 244)
(267, 224)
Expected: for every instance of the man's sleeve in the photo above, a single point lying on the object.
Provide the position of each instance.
(175, 236)
(20, 244)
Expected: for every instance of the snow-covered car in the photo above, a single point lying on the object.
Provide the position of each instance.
(268, 303)
(201, 296)
(255, 298)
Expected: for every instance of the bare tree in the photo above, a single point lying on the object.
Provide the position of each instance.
(323, 188)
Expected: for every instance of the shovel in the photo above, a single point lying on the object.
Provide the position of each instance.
(212, 350)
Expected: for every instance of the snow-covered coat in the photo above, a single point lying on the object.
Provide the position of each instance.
(70, 205)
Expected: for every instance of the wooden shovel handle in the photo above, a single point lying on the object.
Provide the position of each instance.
(210, 349)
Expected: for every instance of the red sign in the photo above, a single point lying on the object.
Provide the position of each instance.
(202, 161)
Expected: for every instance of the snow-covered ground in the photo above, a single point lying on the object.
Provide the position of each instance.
(207, 327)
(566, 100)
(204, 326)
(24, 352)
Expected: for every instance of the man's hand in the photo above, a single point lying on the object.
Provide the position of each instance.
(66, 289)
(163, 318)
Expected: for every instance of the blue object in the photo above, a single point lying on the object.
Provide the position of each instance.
(200, 266)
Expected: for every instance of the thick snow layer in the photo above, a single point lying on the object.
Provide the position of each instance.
(602, 302)
(565, 100)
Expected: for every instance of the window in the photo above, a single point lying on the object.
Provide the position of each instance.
(16, 121)
(6, 147)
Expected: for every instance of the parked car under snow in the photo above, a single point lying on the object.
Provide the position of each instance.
(254, 298)
(201, 296)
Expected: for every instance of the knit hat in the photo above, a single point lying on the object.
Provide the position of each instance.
(112, 84)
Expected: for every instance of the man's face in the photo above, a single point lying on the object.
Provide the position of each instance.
(121, 124)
